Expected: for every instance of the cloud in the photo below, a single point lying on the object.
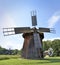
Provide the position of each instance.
(7, 21)
(54, 19)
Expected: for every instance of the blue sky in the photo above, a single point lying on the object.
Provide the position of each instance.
(17, 13)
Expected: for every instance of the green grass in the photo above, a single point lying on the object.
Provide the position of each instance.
(20, 61)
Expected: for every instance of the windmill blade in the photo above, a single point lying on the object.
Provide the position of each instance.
(23, 30)
(44, 30)
(17, 30)
(51, 30)
(8, 31)
(34, 19)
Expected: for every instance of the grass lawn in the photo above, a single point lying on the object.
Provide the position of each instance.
(15, 60)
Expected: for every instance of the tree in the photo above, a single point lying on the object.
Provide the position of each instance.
(56, 46)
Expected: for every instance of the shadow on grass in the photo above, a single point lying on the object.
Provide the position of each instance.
(43, 61)
(7, 57)
(4, 58)
(51, 60)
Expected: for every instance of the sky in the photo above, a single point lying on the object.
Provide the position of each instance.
(17, 13)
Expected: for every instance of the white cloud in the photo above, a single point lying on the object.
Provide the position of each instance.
(54, 19)
(7, 21)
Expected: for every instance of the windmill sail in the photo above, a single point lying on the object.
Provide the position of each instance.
(44, 30)
(8, 31)
(34, 19)
(23, 30)
(17, 30)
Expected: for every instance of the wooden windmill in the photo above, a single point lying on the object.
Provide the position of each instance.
(32, 47)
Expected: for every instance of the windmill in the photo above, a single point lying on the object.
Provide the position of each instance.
(32, 47)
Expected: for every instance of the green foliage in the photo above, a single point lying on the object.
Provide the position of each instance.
(56, 47)
(55, 44)
(47, 44)
(4, 51)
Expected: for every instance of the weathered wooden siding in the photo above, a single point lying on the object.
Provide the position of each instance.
(29, 50)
